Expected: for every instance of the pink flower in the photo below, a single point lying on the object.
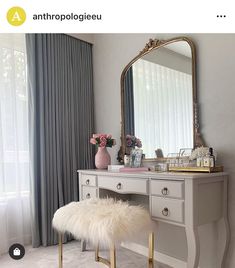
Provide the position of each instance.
(128, 143)
(96, 136)
(132, 141)
(103, 138)
(138, 143)
(93, 141)
(102, 144)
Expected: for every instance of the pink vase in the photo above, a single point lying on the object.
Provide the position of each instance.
(102, 158)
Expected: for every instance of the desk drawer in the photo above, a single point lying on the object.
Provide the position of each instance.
(123, 185)
(167, 209)
(89, 192)
(174, 189)
(89, 180)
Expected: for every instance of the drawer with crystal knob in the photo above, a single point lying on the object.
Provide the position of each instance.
(123, 185)
(166, 188)
(89, 180)
(167, 209)
(89, 192)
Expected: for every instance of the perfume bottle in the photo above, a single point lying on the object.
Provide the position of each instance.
(199, 161)
(211, 157)
(206, 160)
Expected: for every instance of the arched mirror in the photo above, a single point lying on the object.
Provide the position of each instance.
(158, 94)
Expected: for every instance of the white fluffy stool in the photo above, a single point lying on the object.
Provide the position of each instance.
(103, 222)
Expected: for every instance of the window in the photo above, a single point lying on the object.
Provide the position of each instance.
(14, 149)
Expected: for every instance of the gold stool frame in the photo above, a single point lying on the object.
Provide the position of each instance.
(111, 263)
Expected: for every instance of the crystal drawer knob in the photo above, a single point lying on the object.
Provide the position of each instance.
(88, 196)
(87, 182)
(119, 186)
(165, 191)
(165, 212)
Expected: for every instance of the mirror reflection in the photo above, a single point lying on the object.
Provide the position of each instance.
(158, 99)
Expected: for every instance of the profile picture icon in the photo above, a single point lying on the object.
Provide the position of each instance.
(16, 16)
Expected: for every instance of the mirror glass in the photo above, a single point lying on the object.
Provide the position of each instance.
(158, 99)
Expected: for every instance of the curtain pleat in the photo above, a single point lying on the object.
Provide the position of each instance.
(61, 123)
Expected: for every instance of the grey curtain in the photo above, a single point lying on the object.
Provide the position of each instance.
(61, 122)
(129, 103)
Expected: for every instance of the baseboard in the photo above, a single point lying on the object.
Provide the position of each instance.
(160, 257)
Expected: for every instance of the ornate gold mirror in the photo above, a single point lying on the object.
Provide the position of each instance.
(158, 98)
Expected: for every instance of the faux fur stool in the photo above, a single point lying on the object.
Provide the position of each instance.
(103, 222)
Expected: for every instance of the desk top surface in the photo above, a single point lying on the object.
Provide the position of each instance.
(151, 174)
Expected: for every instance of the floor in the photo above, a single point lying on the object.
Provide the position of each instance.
(47, 257)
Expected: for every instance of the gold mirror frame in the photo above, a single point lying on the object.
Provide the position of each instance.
(152, 45)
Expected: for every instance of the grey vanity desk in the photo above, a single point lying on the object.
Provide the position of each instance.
(182, 199)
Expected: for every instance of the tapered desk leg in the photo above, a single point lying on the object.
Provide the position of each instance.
(193, 247)
(225, 237)
(224, 234)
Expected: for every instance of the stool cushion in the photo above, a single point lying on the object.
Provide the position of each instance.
(102, 221)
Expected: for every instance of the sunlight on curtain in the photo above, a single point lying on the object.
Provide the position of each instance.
(14, 151)
(163, 107)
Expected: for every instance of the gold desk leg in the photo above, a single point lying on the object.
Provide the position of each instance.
(151, 250)
(60, 251)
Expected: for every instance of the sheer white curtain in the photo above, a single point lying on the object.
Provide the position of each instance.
(163, 106)
(14, 151)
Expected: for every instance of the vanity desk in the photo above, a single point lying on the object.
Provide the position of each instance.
(187, 200)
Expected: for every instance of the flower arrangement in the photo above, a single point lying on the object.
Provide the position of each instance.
(199, 152)
(102, 140)
(132, 141)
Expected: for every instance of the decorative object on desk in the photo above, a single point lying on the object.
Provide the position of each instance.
(102, 157)
(126, 160)
(184, 157)
(199, 152)
(185, 152)
(115, 167)
(204, 157)
(209, 159)
(161, 167)
(197, 169)
(206, 162)
(137, 169)
(131, 143)
(172, 159)
(136, 158)
(159, 153)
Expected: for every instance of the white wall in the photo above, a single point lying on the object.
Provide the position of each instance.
(216, 93)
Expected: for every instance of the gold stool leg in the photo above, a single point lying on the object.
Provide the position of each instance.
(97, 253)
(110, 263)
(151, 250)
(60, 251)
(112, 256)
